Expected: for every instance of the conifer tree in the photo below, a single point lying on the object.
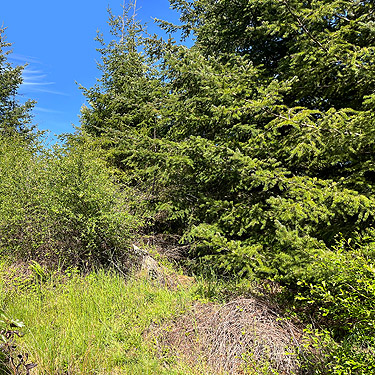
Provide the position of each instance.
(123, 106)
(259, 140)
(263, 159)
(272, 109)
(14, 117)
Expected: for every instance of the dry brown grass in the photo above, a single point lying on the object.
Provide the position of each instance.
(167, 246)
(16, 274)
(244, 336)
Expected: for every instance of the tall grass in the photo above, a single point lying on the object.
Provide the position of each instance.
(94, 324)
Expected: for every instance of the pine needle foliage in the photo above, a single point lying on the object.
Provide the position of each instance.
(14, 116)
(256, 146)
(256, 143)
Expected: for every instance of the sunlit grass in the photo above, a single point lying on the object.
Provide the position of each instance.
(94, 324)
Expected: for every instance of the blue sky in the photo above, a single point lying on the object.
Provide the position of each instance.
(56, 39)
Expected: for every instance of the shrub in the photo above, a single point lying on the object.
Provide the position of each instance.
(61, 205)
(341, 300)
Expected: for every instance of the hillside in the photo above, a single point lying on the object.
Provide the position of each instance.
(250, 155)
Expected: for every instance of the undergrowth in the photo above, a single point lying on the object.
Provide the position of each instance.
(93, 324)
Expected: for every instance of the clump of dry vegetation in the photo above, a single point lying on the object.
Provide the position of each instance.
(245, 335)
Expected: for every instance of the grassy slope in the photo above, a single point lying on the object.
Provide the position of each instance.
(93, 324)
(102, 323)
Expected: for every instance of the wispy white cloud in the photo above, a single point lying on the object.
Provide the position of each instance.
(47, 91)
(46, 110)
(36, 80)
(32, 83)
(33, 75)
(23, 59)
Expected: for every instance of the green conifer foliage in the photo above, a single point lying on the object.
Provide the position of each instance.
(255, 144)
(14, 117)
(272, 109)
(123, 106)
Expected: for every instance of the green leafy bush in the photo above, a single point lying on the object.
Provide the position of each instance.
(341, 299)
(61, 205)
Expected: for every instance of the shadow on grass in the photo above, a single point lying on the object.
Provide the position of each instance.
(3, 368)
